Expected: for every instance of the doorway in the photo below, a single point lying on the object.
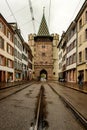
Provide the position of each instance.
(43, 74)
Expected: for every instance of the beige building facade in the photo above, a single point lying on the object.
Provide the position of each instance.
(82, 42)
(74, 49)
(55, 56)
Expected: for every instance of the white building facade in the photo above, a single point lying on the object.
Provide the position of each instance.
(6, 51)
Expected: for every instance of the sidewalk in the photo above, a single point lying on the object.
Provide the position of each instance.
(11, 84)
(75, 86)
(75, 100)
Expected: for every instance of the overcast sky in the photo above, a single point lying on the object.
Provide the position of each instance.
(62, 12)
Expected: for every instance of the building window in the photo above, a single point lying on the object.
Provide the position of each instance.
(74, 43)
(15, 52)
(26, 50)
(1, 27)
(15, 64)
(24, 57)
(10, 63)
(2, 60)
(72, 31)
(23, 48)
(86, 34)
(80, 56)
(15, 41)
(43, 54)
(9, 49)
(60, 65)
(1, 43)
(67, 63)
(80, 24)
(60, 55)
(74, 58)
(9, 35)
(70, 59)
(85, 53)
(80, 40)
(43, 46)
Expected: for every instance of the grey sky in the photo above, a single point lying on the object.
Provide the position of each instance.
(62, 12)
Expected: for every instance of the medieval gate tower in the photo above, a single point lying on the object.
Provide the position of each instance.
(45, 53)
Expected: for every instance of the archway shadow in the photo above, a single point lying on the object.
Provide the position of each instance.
(43, 74)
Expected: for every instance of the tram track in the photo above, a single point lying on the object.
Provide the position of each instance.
(46, 105)
(41, 121)
(76, 113)
(41, 112)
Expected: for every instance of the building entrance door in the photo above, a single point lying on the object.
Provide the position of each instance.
(43, 75)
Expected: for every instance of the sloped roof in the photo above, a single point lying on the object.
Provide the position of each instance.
(43, 29)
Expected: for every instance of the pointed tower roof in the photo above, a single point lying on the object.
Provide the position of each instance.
(43, 29)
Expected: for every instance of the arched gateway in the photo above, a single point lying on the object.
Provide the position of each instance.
(43, 74)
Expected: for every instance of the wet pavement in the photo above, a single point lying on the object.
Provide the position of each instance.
(18, 110)
(13, 89)
(76, 98)
(59, 116)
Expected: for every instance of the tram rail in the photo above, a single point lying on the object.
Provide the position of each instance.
(79, 116)
(40, 120)
(40, 115)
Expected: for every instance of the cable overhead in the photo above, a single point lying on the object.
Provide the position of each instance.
(49, 12)
(75, 11)
(10, 10)
(32, 15)
(19, 10)
(12, 14)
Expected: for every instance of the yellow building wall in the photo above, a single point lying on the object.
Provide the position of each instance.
(82, 44)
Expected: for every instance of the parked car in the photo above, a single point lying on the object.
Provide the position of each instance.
(61, 80)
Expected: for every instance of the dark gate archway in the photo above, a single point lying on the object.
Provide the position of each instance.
(43, 74)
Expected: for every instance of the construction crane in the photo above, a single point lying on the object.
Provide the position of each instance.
(32, 15)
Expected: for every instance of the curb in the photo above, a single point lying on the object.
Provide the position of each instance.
(9, 86)
(77, 114)
(82, 91)
(15, 92)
